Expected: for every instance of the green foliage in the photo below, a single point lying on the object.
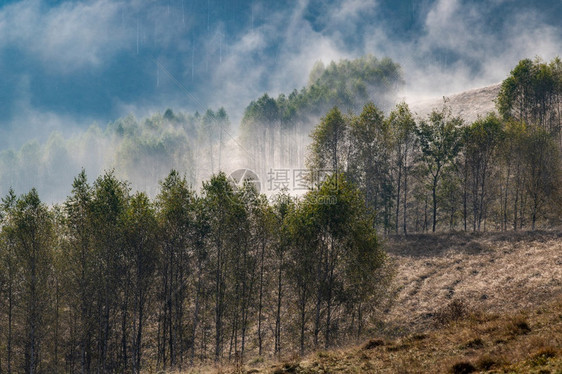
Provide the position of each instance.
(532, 94)
(346, 84)
(28, 239)
(329, 142)
(482, 141)
(369, 166)
(112, 281)
(440, 142)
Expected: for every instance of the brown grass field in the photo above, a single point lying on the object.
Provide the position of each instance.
(461, 303)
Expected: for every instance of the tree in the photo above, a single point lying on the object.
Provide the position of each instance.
(30, 229)
(403, 127)
(370, 146)
(140, 231)
(481, 141)
(225, 214)
(440, 142)
(332, 235)
(81, 265)
(281, 211)
(176, 217)
(532, 94)
(10, 271)
(542, 163)
(112, 294)
(329, 143)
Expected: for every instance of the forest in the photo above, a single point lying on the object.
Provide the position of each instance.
(143, 151)
(116, 280)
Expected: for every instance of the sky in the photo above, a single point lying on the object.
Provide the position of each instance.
(65, 65)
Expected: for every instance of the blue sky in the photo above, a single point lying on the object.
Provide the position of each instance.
(67, 64)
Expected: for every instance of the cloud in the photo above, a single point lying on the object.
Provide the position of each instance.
(465, 45)
(66, 37)
(117, 57)
(454, 45)
(277, 56)
(460, 45)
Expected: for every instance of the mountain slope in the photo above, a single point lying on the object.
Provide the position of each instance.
(468, 104)
(493, 272)
(464, 300)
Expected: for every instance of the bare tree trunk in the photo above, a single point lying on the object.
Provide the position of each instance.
(196, 311)
(10, 323)
(405, 191)
(260, 306)
(434, 195)
(278, 312)
(218, 304)
(398, 196)
(302, 320)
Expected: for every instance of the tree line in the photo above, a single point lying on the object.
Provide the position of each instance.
(112, 281)
(438, 173)
(143, 150)
(274, 131)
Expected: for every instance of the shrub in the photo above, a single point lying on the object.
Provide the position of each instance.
(542, 356)
(452, 312)
(463, 368)
(474, 343)
(487, 362)
(373, 343)
(518, 326)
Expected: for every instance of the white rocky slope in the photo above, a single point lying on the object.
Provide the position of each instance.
(468, 104)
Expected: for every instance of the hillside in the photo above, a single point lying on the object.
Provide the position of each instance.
(468, 104)
(487, 300)
(498, 273)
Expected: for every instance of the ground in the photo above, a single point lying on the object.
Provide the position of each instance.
(461, 303)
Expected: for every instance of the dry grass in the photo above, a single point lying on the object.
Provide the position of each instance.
(463, 303)
(478, 343)
(496, 273)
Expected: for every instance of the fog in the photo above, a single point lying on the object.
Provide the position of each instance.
(70, 68)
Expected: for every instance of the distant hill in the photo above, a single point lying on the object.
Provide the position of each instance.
(468, 104)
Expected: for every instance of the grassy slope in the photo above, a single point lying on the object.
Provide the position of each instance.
(494, 272)
(491, 301)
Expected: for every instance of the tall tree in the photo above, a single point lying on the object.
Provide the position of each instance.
(176, 216)
(481, 142)
(440, 142)
(370, 147)
(31, 231)
(10, 272)
(403, 126)
(112, 295)
(542, 165)
(532, 94)
(81, 265)
(140, 231)
(225, 213)
(329, 143)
